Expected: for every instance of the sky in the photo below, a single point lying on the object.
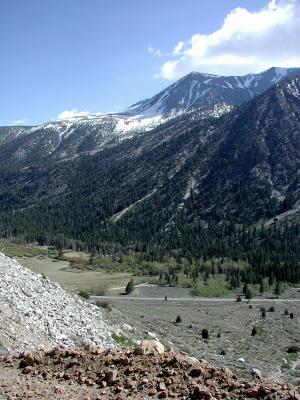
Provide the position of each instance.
(60, 58)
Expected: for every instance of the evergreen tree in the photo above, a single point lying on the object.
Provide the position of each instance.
(129, 287)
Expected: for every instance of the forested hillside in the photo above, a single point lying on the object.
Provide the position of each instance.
(195, 186)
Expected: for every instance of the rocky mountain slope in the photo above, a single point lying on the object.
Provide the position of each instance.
(210, 95)
(197, 90)
(38, 314)
(242, 167)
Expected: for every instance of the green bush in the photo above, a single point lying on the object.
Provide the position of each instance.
(104, 304)
(205, 334)
(84, 294)
(254, 331)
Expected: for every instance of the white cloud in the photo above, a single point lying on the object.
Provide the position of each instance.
(247, 42)
(72, 113)
(178, 48)
(154, 52)
(20, 122)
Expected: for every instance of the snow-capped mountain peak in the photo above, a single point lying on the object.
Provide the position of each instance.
(198, 90)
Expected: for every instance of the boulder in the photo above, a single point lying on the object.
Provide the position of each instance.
(256, 373)
(147, 347)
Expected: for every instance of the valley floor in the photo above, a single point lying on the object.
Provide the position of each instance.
(229, 324)
(145, 313)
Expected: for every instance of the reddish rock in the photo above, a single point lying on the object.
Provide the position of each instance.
(29, 360)
(195, 370)
(152, 392)
(201, 392)
(27, 370)
(111, 376)
(89, 382)
(59, 389)
(162, 395)
(130, 385)
(294, 395)
(119, 389)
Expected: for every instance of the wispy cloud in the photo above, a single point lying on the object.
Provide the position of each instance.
(22, 121)
(246, 42)
(72, 113)
(154, 52)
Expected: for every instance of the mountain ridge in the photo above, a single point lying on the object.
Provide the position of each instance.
(83, 135)
(202, 165)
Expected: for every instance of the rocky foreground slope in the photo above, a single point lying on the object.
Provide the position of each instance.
(38, 314)
(146, 372)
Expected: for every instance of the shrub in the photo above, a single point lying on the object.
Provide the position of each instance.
(122, 340)
(248, 293)
(292, 315)
(219, 334)
(263, 313)
(205, 334)
(293, 349)
(250, 307)
(129, 287)
(254, 331)
(286, 312)
(104, 304)
(178, 319)
(271, 309)
(223, 352)
(84, 294)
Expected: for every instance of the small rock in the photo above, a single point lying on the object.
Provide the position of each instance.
(111, 376)
(130, 385)
(195, 371)
(119, 389)
(59, 389)
(162, 386)
(202, 392)
(162, 395)
(241, 360)
(152, 392)
(89, 382)
(294, 395)
(27, 370)
(256, 373)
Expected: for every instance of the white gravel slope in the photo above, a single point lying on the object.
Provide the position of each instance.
(38, 314)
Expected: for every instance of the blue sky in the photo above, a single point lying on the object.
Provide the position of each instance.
(104, 55)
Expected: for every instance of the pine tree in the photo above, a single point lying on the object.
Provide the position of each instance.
(129, 287)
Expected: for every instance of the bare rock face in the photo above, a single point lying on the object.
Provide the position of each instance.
(38, 314)
(148, 347)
